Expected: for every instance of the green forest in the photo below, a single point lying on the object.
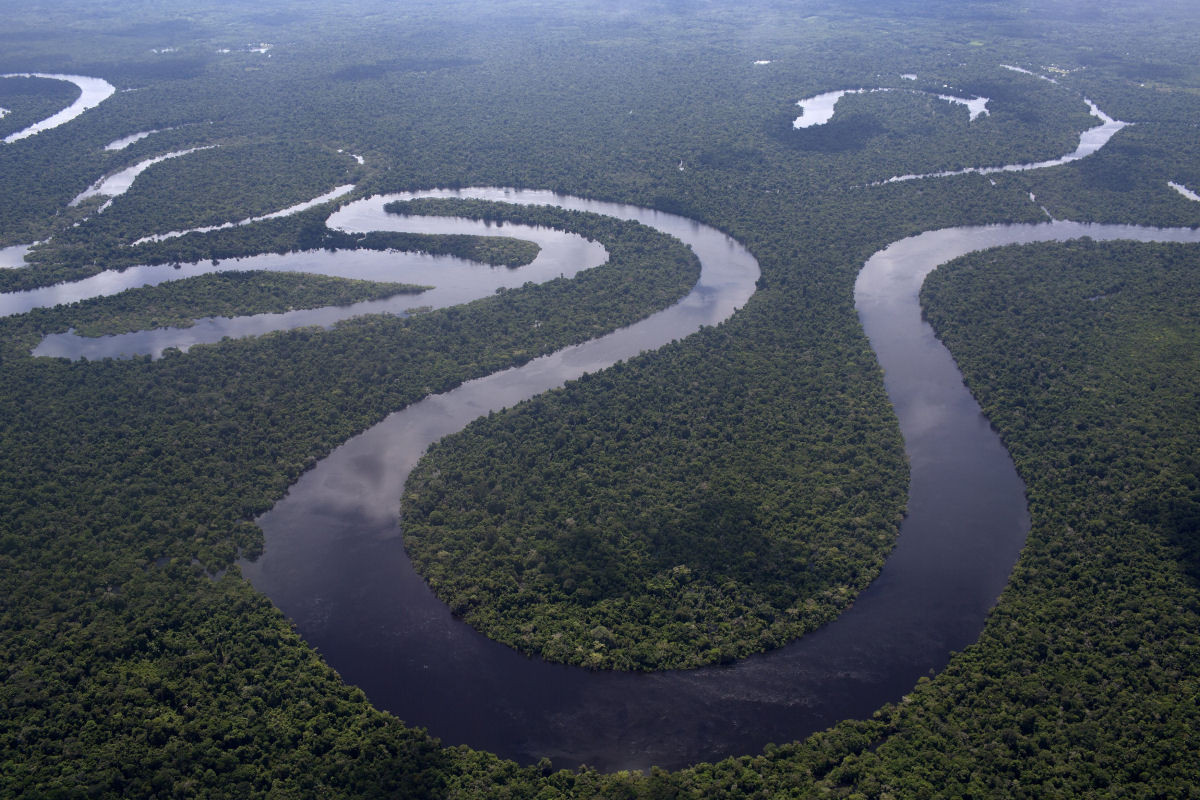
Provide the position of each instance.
(701, 555)
(717, 497)
(223, 294)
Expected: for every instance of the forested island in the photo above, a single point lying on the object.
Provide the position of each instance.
(720, 496)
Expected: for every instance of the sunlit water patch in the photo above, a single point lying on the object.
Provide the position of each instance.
(819, 109)
(92, 92)
(120, 182)
(976, 106)
(1183, 190)
(121, 144)
(14, 257)
(1024, 71)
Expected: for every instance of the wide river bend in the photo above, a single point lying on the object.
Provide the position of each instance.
(335, 563)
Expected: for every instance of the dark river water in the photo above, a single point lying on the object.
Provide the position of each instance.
(334, 561)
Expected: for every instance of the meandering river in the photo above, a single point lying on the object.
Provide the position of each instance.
(92, 92)
(454, 281)
(335, 562)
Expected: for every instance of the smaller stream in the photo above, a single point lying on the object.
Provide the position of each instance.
(333, 194)
(455, 281)
(1090, 141)
(126, 141)
(120, 182)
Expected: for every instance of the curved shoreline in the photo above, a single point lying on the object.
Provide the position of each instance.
(335, 193)
(819, 109)
(1090, 141)
(92, 92)
(120, 182)
(455, 281)
(13, 257)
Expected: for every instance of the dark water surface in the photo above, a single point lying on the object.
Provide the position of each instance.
(335, 563)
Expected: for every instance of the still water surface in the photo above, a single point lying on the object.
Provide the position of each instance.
(335, 563)
(334, 560)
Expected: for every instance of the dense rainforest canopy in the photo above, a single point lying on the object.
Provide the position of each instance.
(677, 497)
